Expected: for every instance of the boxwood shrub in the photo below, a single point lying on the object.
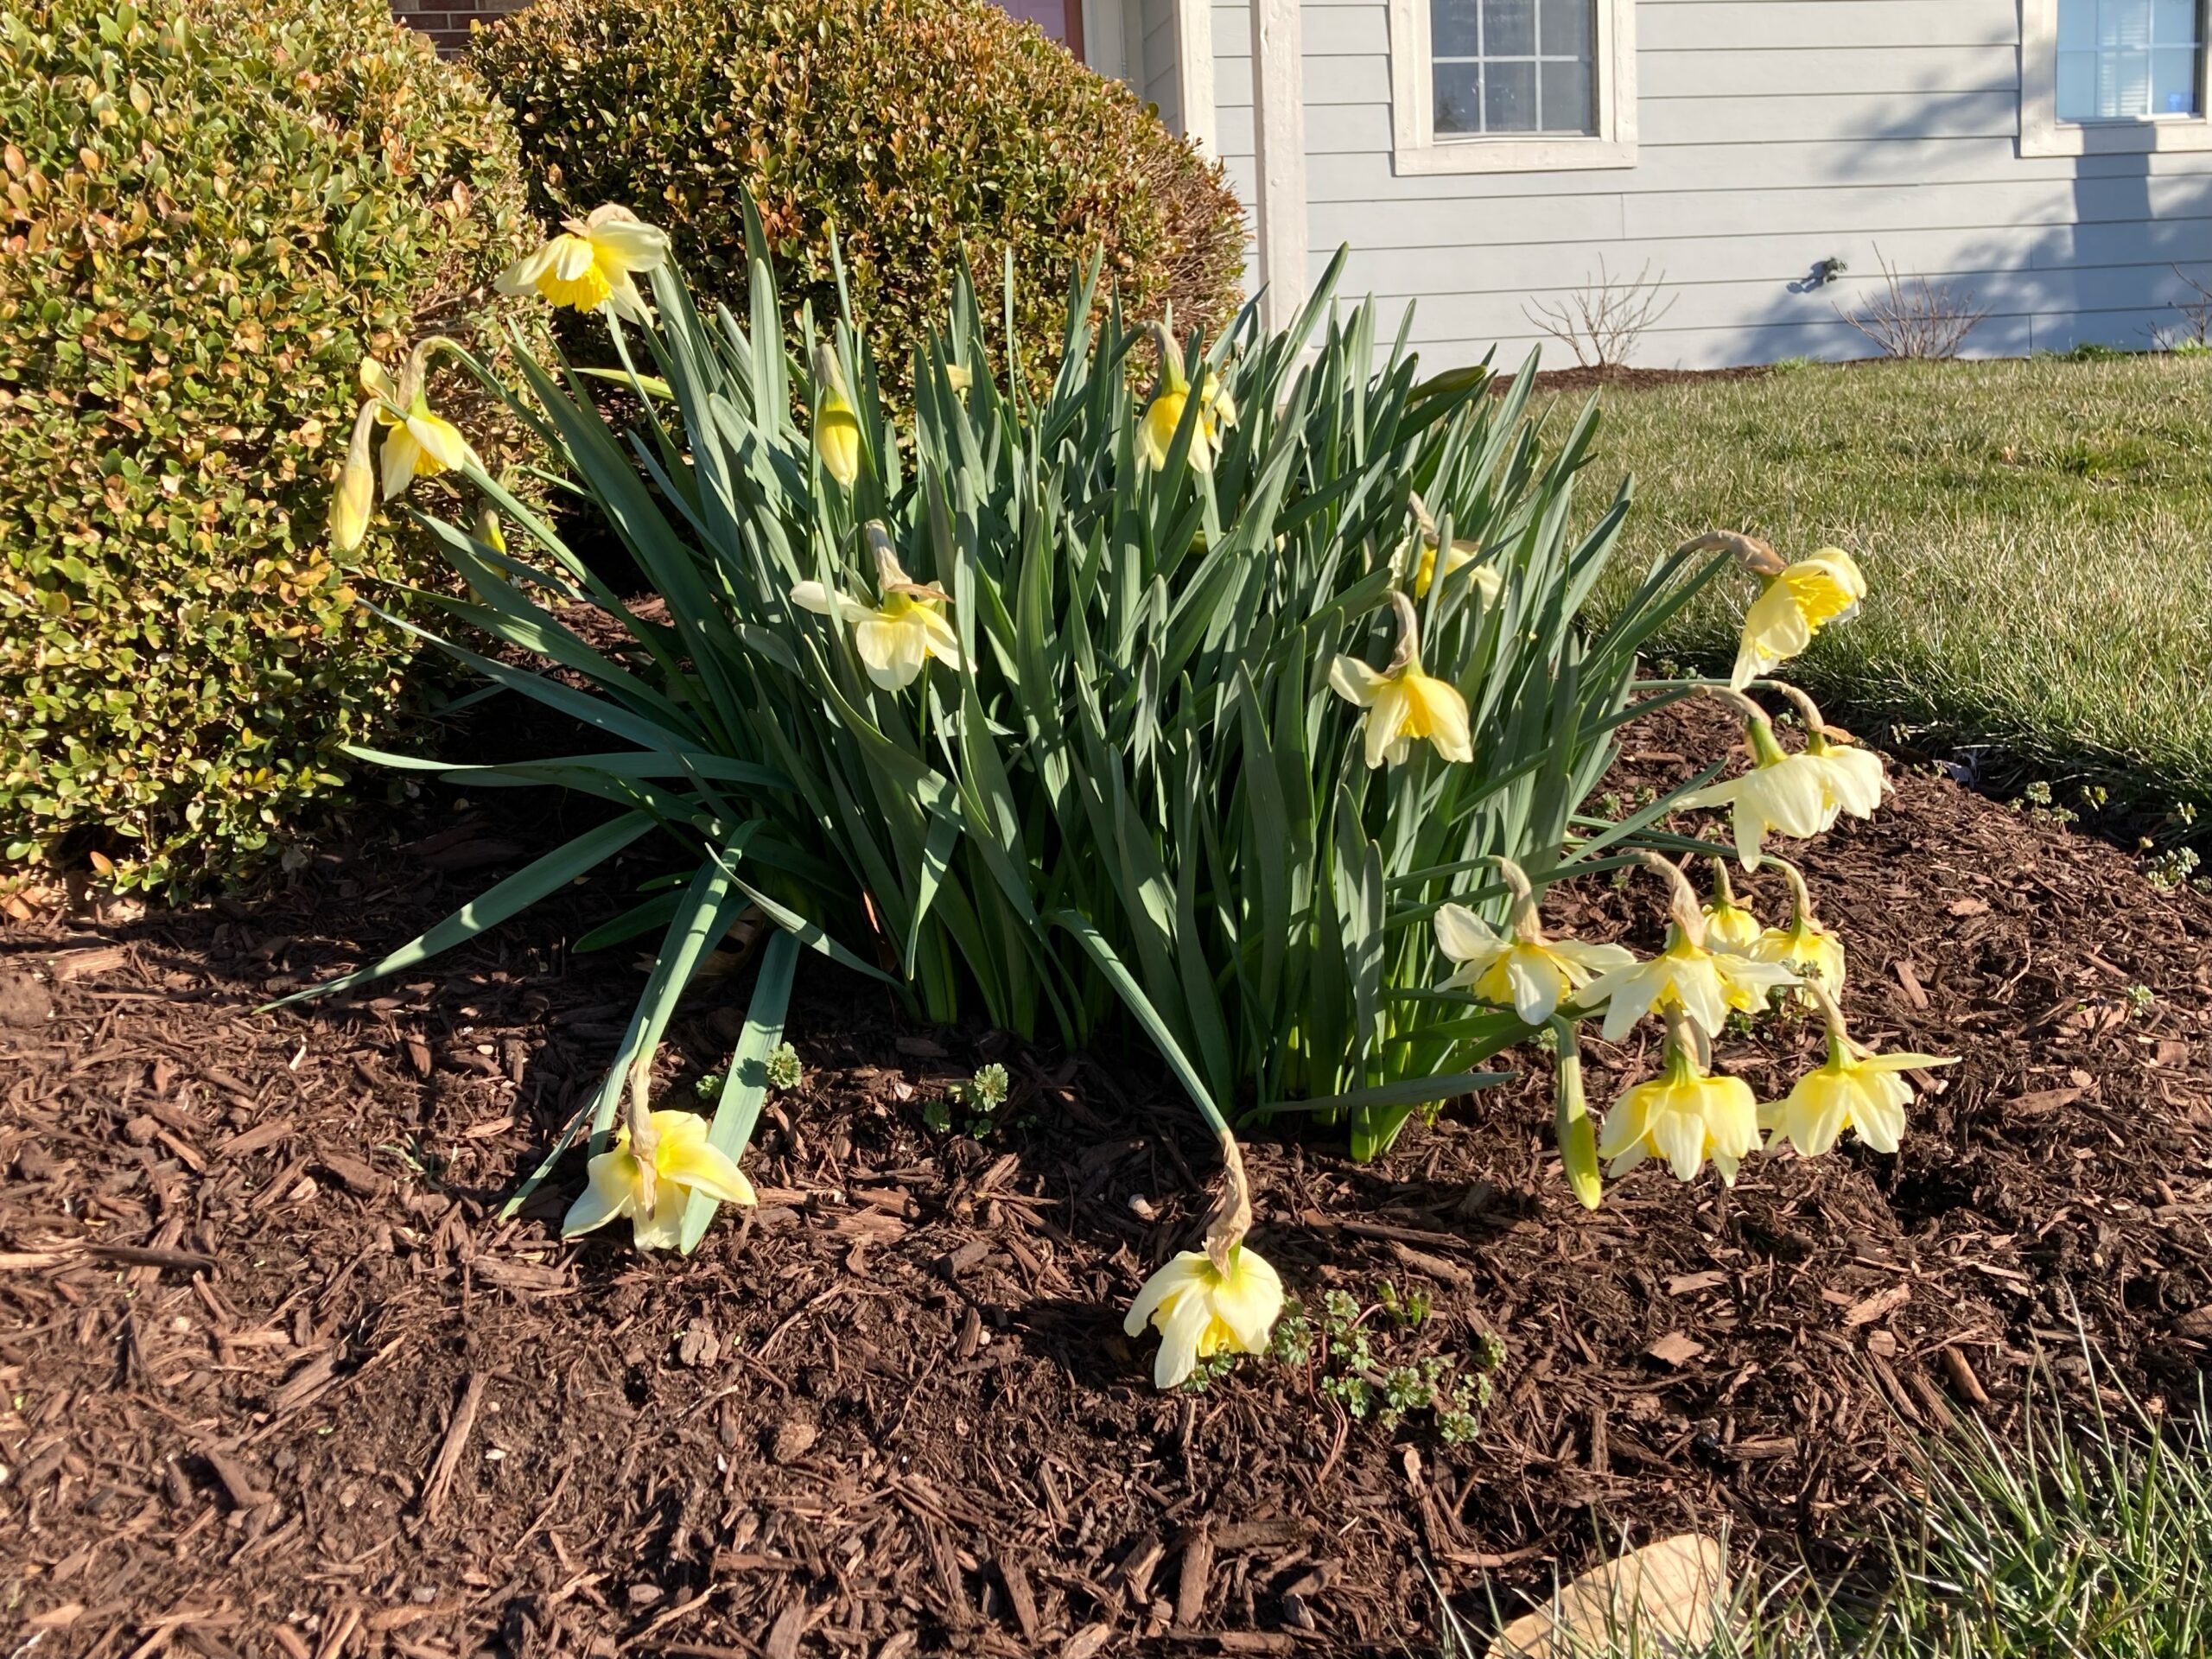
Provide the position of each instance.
(912, 129)
(214, 208)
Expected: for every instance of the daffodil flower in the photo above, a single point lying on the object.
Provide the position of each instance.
(1402, 704)
(1683, 1116)
(1851, 777)
(653, 1191)
(1854, 1089)
(1687, 978)
(1727, 924)
(1805, 947)
(897, 636)
(1794, 602)
(417, 443)
(1489, 581)
(1163, 416)
(1783, 793)
(1201, 1311)
(592, 264)
(1522, 970)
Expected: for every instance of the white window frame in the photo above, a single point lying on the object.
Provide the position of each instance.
(2042, 132)
(1418, 150)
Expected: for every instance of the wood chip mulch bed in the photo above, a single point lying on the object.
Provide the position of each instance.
(273, 1381)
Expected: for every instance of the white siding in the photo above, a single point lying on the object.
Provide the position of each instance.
(1153, 70)
(1774, 134)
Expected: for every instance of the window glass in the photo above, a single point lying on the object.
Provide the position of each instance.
(1514, 67)
(2128, 59)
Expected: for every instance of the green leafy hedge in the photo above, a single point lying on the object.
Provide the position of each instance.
(215, 207)
(912, 129)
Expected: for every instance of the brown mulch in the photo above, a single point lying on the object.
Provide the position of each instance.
(277, 1382)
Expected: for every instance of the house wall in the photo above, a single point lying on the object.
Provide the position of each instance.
(446, 22)
(1774, 133)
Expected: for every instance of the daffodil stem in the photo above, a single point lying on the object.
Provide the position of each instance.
(1688, 914)
(1750, 553)
(1801, 897)
(1806, 708)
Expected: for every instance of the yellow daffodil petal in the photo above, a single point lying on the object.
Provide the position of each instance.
(1435, 710)
(1683, 1118)
(1792, 607)
(610, 1190)
(401, 457)
(1731, 927)
(1355, 682)
(1199, 1311)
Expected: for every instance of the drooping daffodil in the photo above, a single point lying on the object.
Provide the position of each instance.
(1855, 1088)
(1795, 602)
(1201, 1310)
(1806, 948)
(1701, 983)
(836, 424)
(1403, 704)
(417, 443)
(903, 630)
(1171, 398)
(1728, 926)
(592, 264)
(653, 1189)
(1783, 793)
(1683, 1116)
(1520, 969)
(1487, 580)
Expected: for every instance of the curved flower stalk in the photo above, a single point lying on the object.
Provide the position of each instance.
(1171, 396)
(1403, 704)
(896, 637)
(1728, 925)
(836, 424)
(1223, 1299)
(419, 443)
(1687, 977)
(1794, 602)
(1683, 1116)
(592, 264)
(658, 1160)
(1805, 947)
(1522, 969)
(1856, 1089)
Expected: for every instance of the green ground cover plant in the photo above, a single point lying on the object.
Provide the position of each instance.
(214, 211)
(2035, 530)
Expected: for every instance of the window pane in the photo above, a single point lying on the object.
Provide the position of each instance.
(2173, 82)
(1566, 31)
(1566, 98)
(1452, 28)
(2077, 86)
(1510, 27)
(2124, 22)
(2176, 22)
(2077, 24)
(1508, 97)
(2123, 84)
(1458, 98)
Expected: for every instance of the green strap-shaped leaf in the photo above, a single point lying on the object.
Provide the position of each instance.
(745, 1085)
(1134, 999)
(528, 885)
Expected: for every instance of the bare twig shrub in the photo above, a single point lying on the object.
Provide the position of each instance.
(2194, 332)
(1915, 318)
(1601, 321)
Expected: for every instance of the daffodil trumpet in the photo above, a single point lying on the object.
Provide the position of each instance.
(1221, 1299)
(1686, 977)
(1685, 1116)
(1170, 405)
(592, 264)
(1521, 970)
(1432, 559)
(419, 443)
(900, 634)
(1403, 704)
(1854, 1089)
(1806, 948)
(1727, 924)
(1851, 776)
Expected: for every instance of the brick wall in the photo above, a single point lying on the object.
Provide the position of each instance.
(447, 22)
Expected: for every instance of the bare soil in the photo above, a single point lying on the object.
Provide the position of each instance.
(277, 1382)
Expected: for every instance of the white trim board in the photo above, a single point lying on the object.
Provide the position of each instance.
(1279, 134)
(1417, 149)
(1194, 72)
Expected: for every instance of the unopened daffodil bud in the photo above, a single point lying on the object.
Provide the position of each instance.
(1578, 1135)
(836, 425)
(1728, 926)
(1854, 1089)
(1794, 602)
(1687, 976)
(649, 1178)
(355, 497)
(1683, 1116)
(1522, 969)
(592, 264)
(1805, 947)
(902, 631)
(1403, 703)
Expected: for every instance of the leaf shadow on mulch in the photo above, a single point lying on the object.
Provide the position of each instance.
(275, 1374)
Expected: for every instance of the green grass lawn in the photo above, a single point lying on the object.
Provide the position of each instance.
(2038, 535)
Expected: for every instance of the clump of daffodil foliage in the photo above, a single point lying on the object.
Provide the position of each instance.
(1248, 713)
